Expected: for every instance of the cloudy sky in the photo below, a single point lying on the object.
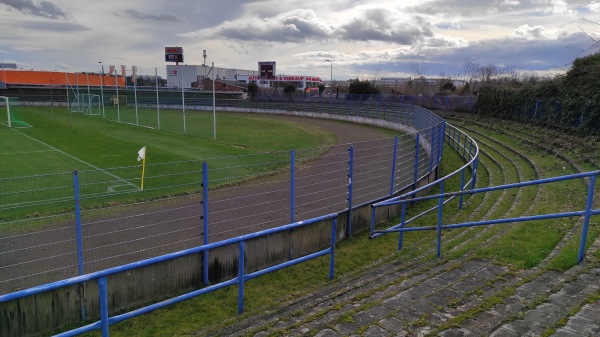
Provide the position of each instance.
(363, 39)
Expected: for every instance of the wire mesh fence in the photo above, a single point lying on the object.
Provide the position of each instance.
(58, 226)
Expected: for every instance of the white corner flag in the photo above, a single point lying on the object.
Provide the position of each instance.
(142, 153)
(142, 157)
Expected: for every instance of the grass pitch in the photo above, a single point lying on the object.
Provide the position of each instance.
(61, 141)
(37, 162)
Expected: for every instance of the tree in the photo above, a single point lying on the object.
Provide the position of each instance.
(362, 88)
(252, 90)
(321, 89)
(289, 90)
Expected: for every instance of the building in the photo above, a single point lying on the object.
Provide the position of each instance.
(301, 82)
(192, 76)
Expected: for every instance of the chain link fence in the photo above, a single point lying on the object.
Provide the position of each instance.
(62, 225)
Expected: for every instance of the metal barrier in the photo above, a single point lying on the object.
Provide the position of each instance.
(91, 220)
(445, 197)
(102, 276)
(339, 179)
(468, 149)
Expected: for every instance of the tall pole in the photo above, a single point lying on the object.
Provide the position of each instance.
(330, 77)
(101, 87)
(214, 106)
(157, 100)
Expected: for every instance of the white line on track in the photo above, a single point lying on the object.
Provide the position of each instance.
(77, 159)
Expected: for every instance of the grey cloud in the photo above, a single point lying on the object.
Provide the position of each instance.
(295, 26)
(475, 8)
(303, 25)
(66, 27)
(163, 17)
(44, 8)
(381, 25)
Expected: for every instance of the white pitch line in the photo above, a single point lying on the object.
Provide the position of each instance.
(77, 159)
(25, 152)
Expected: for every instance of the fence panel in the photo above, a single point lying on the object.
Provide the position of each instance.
(121, 223)
(37, 219)
(106, 219)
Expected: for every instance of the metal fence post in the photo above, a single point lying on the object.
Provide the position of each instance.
(394, 165)
(241, 268)
(416, 173)
(586, 218)
(205, 220)
(103, 306)
(78, 229)
(402, 218)
(441, 136)
(431, 149)
(474, 172)
(462, 188)
(350, 176)
(292, 184)
(439, 224)
(332, 255)
(79, 240)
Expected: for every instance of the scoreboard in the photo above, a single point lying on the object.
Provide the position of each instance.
(173, 54)
(267, 69)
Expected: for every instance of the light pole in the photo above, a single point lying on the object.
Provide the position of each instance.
(331, 76)
(101, 87)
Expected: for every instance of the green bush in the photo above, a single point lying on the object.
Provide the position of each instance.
(569, 102)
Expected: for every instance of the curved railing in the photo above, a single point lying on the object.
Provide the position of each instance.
(460, 142)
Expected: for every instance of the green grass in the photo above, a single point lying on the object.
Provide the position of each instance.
(105, 154)
(104, 144)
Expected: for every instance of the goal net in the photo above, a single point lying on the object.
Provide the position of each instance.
(9, 113)
(87, 104)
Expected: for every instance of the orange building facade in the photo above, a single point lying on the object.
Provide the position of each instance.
(55, 78)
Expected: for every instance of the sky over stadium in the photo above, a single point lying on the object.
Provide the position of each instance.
(363, 39)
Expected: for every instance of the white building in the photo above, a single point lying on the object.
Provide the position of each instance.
(187, 76)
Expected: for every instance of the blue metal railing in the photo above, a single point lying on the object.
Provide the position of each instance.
(102, 276)
(470, 154)
(586, 213)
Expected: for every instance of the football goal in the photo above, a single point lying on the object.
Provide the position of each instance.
(87, 104)
(9, 113)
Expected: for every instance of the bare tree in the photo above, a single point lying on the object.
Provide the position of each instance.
(488, 72)
(470, 70)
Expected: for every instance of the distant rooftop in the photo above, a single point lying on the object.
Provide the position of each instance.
(8, 66)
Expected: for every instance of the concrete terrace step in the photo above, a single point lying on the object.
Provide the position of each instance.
(384, 305)
(557, 307)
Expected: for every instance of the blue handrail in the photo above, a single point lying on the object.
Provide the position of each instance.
(586, 213)
(102, 276)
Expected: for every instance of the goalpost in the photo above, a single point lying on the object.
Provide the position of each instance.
(87, 104)
(8, 113)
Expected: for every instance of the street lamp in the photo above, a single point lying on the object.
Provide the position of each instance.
(331, 77)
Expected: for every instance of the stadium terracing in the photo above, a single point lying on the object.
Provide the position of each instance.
(55, 78)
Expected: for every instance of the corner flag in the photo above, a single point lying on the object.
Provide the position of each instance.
(142, 157)
(142, 153)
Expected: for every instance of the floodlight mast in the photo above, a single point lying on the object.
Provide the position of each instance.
(331, 77)
(214, 103)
